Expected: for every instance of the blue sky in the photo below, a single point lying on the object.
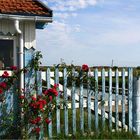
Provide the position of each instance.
(94, 32)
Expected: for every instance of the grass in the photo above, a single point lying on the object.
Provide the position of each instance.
(101, 134)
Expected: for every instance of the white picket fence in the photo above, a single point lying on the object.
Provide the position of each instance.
(103, 107)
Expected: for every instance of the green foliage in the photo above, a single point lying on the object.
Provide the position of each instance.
(35, 63)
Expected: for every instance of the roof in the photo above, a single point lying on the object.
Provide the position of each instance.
(24, 7)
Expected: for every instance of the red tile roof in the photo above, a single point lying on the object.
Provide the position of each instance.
(24, 7)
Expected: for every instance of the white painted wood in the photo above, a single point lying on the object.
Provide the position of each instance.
(28, 29)
(91, 74)
(29, 35)
(85, 102)
(2, 71)
(7, 26)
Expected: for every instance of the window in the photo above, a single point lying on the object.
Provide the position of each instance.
(6, 53)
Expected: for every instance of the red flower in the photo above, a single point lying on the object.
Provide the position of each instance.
(33, 105)
(45, 92)
(37, 130)
(1, 91)
(38, 119)
(3, 85)
(33, 121)
(44, 102)
(56, 86)
(47, 121)
(41, 105)
(21, 96)
(85, 68)
(33, 98)
(50, 98)
(53, 91)
(39, 96)
(13, 67)
(5, 74)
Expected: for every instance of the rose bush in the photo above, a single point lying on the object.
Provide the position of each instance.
(34, 108)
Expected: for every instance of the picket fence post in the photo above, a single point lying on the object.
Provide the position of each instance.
(130, 91)
(39, 92)
(136, 103)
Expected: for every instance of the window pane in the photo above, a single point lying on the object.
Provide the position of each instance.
(6, 53)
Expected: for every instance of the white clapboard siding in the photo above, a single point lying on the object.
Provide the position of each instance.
(7, 26)
(29, 34)
(28, 29)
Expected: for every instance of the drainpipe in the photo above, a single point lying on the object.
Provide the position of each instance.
(21, 52)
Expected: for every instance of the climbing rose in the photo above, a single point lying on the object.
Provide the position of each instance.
(33, 105)
(47, 121)
(45, 92)
(33, 121)
(33, 98)
(85, 68)
(56, 86)
(38, 119)
(41, 104)
(5, 74)
(3, 85)
(53, 91)
(1, 91)
(50, 98)
(37, 130)
(13, 67)
(21, 96)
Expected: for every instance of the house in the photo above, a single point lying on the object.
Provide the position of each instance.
(19, 20)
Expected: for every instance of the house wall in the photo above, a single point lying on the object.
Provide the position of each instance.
(27, 27)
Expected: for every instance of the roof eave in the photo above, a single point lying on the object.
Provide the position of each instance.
(27, 18)
(39, 1)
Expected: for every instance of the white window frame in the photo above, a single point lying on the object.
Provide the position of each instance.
(14, 46)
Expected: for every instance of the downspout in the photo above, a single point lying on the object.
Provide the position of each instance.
(21, 53)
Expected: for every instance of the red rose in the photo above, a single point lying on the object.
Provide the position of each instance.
(44, 102)
(37, 130)
(1, 91)
(53, 91)
(47, 121)
(50, 98)
(33, 121)
(5, 74)
(85, 68)
(13, 67)
(33, 105)
(56, 86)
(39, 96)
(38, 119)
(3, 85)
(21, 96)
(33, 98)
(45, 92)
(41, 105)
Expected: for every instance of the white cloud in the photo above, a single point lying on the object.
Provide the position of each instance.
(103, 35)
(65, 15)
(70, 5)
